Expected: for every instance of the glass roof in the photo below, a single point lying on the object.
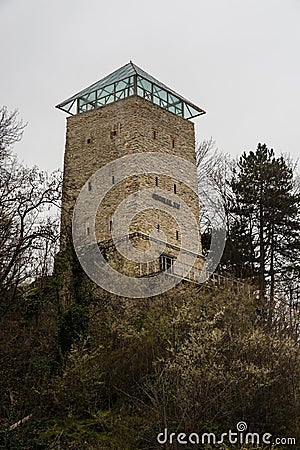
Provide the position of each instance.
(124, 82)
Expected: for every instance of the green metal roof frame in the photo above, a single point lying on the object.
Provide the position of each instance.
(124, 82)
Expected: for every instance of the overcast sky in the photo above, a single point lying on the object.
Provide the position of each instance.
(238, 60)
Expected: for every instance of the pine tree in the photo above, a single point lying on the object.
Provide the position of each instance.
(264, 235)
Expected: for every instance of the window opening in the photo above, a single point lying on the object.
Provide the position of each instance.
(166, 263)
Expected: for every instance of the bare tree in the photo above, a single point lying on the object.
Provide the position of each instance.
(11, 129)
(215, 168)
(28, 229)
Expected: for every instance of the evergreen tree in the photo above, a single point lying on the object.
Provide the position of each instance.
(264, 234)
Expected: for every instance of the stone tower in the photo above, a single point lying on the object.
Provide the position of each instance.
(126, 113)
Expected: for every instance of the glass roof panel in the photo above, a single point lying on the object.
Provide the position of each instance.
(173, 100)
(194, 111)
(123, 79)
(109, 89)
(178, 111)
(140, 92)
(99, 93)
(100, 102)
(120, 94)
(123, 84)
(145, 84)
(187, 112)
(68, 106)
(90, 97)
(161, 93)
(109, 99)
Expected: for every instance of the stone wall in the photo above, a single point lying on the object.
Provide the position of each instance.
(131, 125)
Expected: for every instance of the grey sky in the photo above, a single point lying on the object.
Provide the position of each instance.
(238, 60)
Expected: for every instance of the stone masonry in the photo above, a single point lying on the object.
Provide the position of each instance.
(97, 137)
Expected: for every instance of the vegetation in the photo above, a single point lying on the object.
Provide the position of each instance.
(28, 235)
(104, 372)
(260, 198)
(193, 359)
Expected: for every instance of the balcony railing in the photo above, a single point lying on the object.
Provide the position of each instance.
(186, 272)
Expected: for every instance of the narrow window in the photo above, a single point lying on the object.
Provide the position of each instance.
(166, 263)
(113, 179)
(88, 141)
(175, 189)
(87, 230)
(110, 225)
(156, 181)
(114, 130)
(89, 185)
(177, 235)
(173, 143)
(154, 134)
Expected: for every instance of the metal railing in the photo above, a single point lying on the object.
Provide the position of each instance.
(186, 272)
